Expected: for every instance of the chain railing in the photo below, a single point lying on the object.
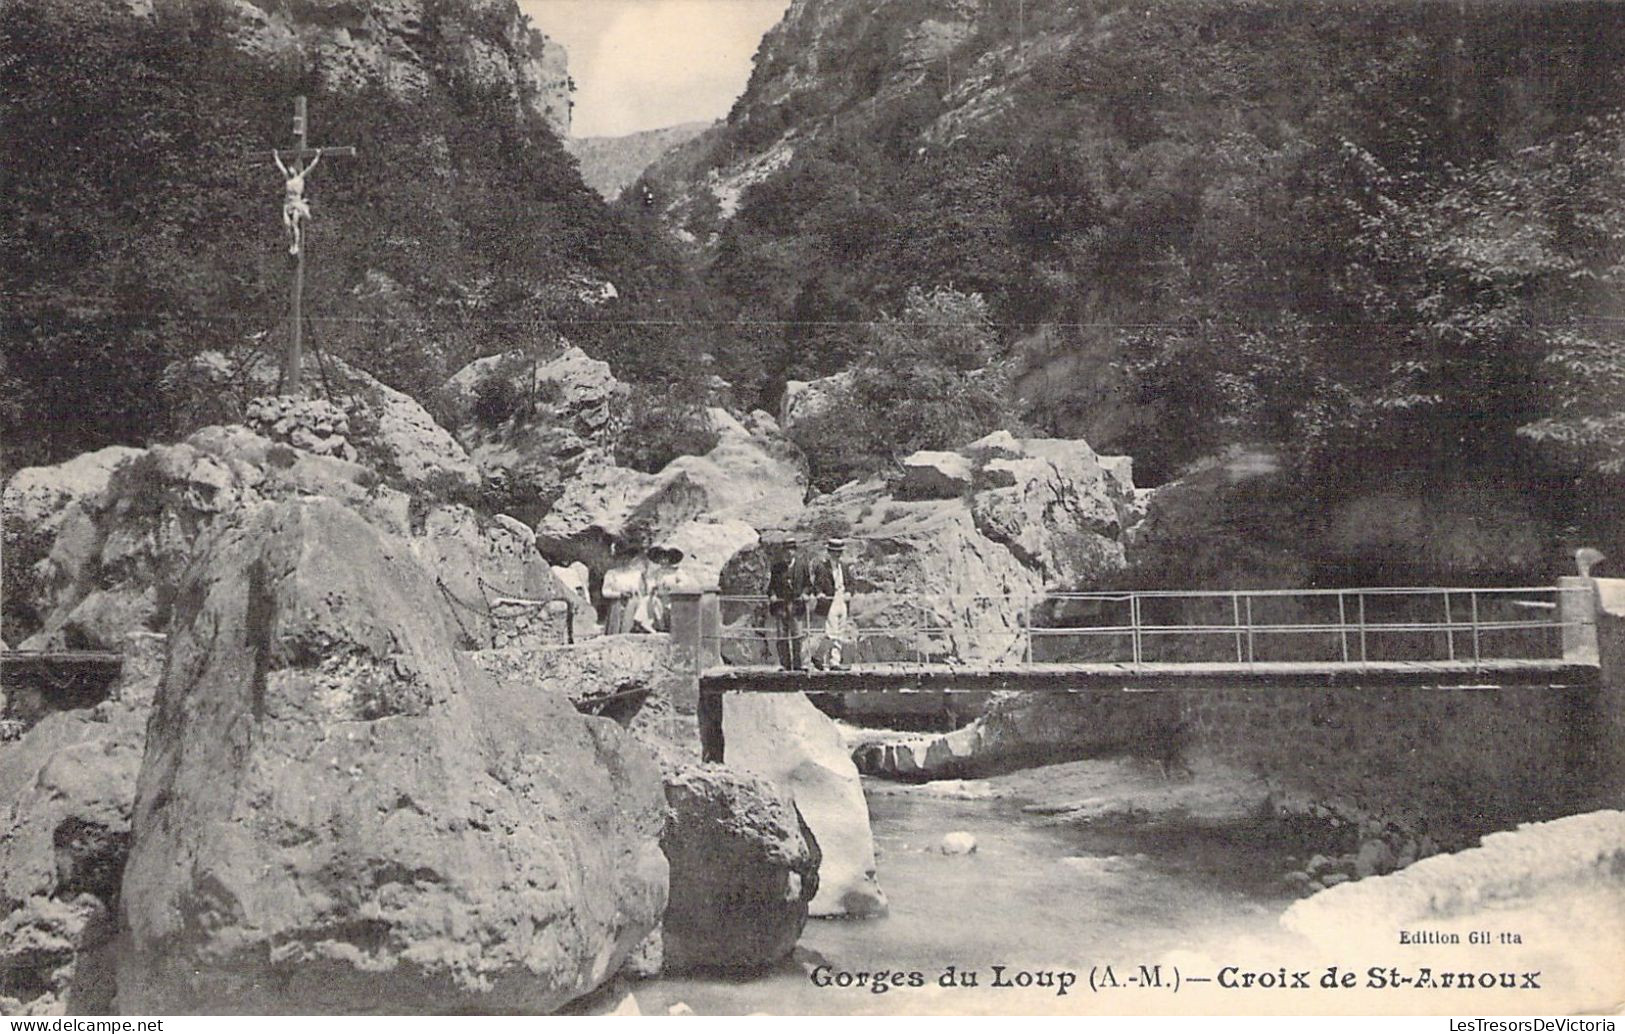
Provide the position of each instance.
(1475, 626)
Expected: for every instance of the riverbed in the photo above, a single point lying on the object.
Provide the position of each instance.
(1038, 897)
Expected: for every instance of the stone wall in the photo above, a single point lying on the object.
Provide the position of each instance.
(1451, 763)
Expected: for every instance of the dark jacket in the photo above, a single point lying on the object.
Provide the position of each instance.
(788, 582)
(823, 581)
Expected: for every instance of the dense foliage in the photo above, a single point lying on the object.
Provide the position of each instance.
(927, 379)
(135, 232)
(1382, 238)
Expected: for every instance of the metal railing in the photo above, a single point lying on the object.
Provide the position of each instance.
(1245, 627)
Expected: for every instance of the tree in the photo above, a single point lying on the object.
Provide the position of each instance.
(929, 380)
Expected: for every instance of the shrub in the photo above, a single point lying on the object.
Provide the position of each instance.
(496, 399)
(658, 427)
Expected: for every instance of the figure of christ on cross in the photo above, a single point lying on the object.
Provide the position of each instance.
(295, 209)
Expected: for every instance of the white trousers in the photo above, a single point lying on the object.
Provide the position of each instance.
(835, 627)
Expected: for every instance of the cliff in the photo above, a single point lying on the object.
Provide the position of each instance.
(405, 46)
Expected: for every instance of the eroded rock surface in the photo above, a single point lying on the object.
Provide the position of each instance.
(338, 813)
(785, 740)
(66, 791)
(742, 874)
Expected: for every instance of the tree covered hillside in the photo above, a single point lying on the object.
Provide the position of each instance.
(136, 233)
(1382, 238)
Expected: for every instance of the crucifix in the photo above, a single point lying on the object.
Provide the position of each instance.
(295, 164)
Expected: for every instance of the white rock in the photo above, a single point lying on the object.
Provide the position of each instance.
(958, 842)
(785, 739)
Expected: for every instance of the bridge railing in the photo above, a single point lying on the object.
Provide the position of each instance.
(1476, 625)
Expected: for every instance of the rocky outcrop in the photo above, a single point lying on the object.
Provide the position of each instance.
(66, 791)
(114, 561)
(741, 873)
(806, 399)
(782, 738)
(532, 425)
(570, 389)
(338, 813)
(389, 431)
(37, 503)
(711, 504)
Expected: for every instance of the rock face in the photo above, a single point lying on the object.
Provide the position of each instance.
(610, 164)
(712, 504)
(386, 43)
(784, 739)
(66, 791)
(805, 399)
(37, 503)
(741, 873)
(338, 813)
(638, 670)
(946, 564)
(115, 558)
(1020, 730)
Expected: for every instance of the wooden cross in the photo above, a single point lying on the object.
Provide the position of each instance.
(295, 159)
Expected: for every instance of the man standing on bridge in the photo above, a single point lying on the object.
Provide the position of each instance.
(831, 577)
(789, 585)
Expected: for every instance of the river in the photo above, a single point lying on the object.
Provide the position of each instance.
(1035, 896)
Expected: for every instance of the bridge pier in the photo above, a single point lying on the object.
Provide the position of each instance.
(696, 633)
(1577, 605)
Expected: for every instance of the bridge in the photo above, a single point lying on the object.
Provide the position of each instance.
(1456, 638)
(1463, 638)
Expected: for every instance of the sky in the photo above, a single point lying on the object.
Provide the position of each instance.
(644, 64)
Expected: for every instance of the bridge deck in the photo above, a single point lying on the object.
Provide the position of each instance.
(1077, 678)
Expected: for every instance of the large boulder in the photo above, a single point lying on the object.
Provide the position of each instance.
(711, 504)
(936, 475)
(742, 874)
(66, 791)
(784, 739)
(339, 813)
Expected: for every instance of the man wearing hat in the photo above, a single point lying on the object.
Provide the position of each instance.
(831, 578)
(789, 585)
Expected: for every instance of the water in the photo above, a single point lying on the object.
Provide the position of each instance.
(1034, 896)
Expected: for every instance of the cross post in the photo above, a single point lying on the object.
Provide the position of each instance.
(295, 211)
